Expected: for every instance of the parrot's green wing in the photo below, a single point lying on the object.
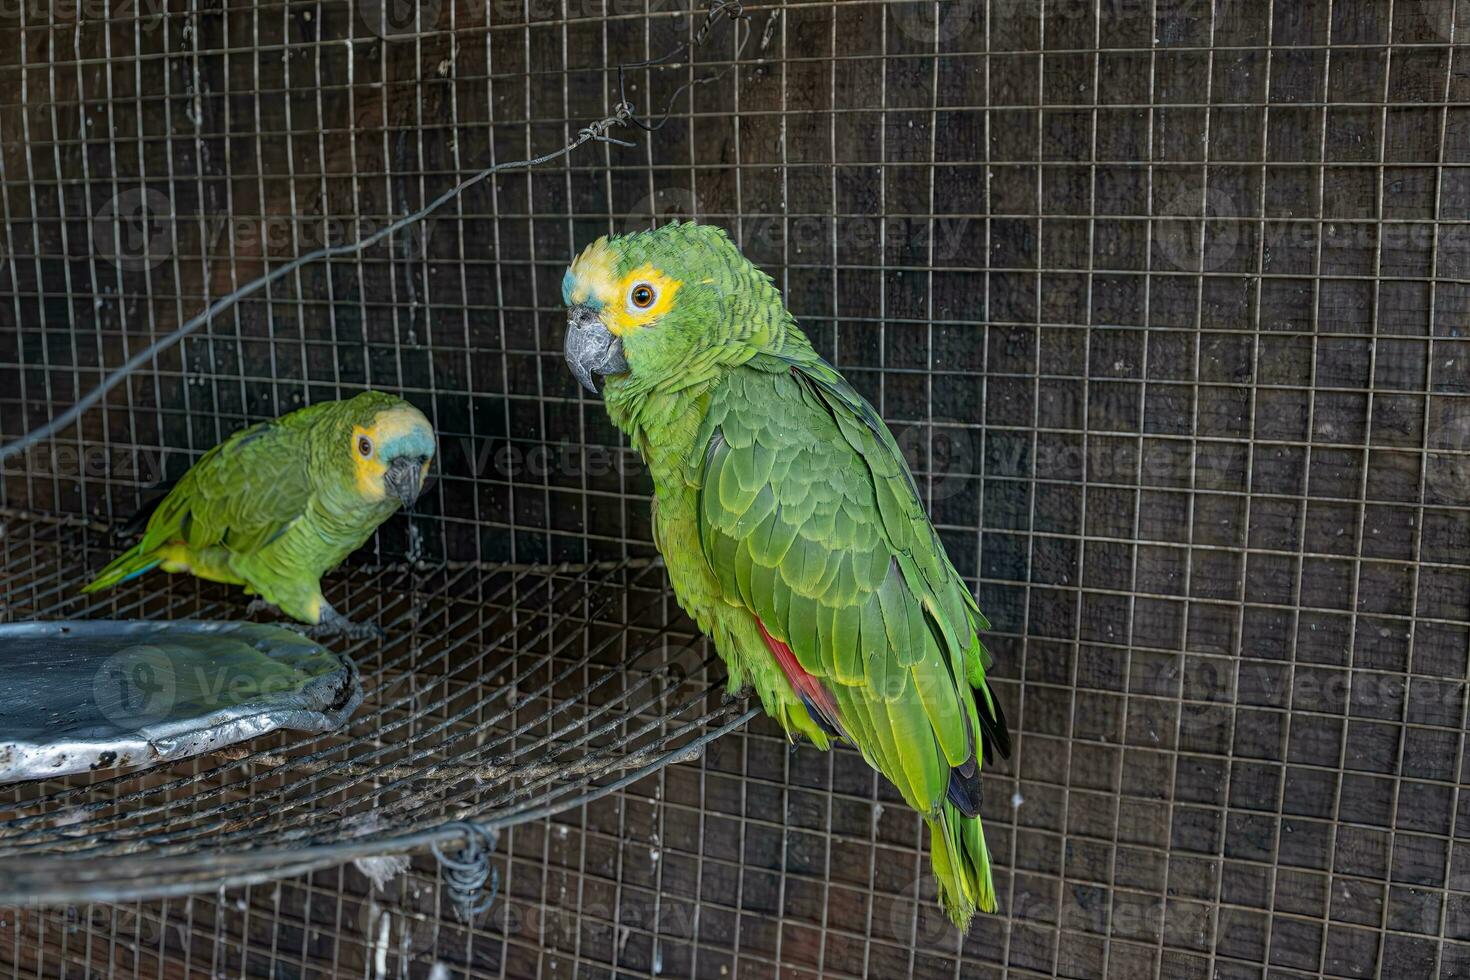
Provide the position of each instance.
(810, 518)
(242, 494)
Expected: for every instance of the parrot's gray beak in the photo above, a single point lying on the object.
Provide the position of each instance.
(591, 347)
(404, 479)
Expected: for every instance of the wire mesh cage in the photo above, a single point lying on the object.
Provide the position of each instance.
(1164, 300)
(496, 696)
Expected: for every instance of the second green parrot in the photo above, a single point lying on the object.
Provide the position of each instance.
(791, 526)
(277, 505)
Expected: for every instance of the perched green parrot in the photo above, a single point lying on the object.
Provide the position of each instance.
(277, 505)
(791, 526)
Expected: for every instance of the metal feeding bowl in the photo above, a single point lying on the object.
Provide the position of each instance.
(85, 696)
(502, 693)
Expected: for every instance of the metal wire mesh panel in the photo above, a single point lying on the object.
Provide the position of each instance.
(501, 696)
(1165, 301)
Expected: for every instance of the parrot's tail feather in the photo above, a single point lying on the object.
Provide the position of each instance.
(146, 568)
(962, 865)
(124, 568)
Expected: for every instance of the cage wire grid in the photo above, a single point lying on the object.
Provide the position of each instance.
(484, 710)
(1165, 300)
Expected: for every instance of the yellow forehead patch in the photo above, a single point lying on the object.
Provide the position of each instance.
(594, 274)
(395, 422)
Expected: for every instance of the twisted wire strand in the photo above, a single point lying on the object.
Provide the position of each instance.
(732, 11)
(468, 869)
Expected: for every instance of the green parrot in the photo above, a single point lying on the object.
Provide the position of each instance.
(277, 505)
(791, 527)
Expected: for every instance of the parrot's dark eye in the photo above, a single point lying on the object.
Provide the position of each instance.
(642, 296)
(364, 447)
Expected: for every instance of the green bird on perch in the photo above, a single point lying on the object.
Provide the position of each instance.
(277, 505)
(791, 526)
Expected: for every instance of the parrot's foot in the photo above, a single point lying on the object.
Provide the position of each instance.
(349, 629)
(258, 605)
(334, 623)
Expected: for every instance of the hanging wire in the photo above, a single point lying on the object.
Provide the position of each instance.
(731, 10)
(623, 114)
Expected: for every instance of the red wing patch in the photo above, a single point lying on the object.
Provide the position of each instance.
(819, 700)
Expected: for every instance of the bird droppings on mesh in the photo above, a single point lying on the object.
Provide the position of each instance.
(67, 817)
(380, 942)
(381, 869)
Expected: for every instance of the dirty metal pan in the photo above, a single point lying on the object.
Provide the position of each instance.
(80, 696)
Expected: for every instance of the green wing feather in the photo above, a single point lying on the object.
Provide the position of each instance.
(809, 517)
(241, 495)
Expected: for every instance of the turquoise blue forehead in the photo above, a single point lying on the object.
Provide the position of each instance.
(416, 442)
(569, 286)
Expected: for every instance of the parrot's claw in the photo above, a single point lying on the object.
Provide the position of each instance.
(334, 623)
(257, 606)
